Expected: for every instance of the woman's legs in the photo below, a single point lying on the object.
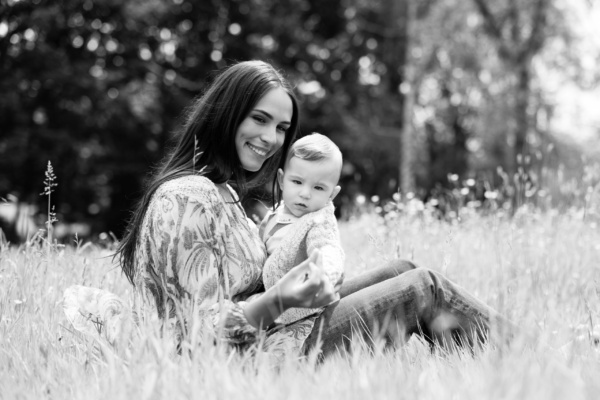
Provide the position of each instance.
(393, 308)
(376, 275)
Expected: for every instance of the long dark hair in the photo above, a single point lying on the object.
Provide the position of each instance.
(206, 144)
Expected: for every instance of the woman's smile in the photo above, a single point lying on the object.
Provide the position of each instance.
(258, 150)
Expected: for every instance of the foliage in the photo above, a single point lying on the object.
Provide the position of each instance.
(97, 87)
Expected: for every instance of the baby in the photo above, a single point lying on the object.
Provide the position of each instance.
(304, 220)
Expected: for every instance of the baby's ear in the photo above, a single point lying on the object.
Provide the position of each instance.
(335, 192)
(280, 178)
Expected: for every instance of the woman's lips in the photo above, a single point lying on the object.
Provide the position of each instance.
(258, 150)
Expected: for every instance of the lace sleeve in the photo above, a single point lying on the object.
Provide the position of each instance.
(324, 235)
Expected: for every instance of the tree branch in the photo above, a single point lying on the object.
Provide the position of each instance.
(495, 30)
(492, 25)
(536, 39)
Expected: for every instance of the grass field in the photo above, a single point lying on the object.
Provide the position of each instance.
(540, 270)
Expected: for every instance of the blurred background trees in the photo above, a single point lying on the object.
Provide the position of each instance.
(412, 92)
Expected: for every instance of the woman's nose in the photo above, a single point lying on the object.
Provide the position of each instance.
(269, 135)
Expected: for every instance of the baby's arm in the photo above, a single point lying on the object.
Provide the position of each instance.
(324, 235)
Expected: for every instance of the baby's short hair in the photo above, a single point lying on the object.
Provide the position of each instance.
(314, 147)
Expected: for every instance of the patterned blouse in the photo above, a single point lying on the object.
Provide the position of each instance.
(198, 255)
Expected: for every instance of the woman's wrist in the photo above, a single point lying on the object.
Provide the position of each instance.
(276, 297)
(263, 311)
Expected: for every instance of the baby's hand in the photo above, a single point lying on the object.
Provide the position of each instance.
(307, 285)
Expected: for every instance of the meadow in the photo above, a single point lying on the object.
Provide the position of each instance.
(540, 269)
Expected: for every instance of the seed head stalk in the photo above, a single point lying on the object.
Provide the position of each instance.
(49, 185)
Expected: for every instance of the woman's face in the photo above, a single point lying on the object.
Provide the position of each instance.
(263, 130)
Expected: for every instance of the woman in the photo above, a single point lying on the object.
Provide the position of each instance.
(192, 255)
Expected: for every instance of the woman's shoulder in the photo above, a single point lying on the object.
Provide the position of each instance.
(192, 186)
(184, 192)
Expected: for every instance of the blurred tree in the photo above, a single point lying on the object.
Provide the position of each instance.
(407, 89)
(78, 97)
(449, 60)
(98, 87)
(519, 30)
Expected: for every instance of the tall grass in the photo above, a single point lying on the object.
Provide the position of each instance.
(49, 185)
(539, 269)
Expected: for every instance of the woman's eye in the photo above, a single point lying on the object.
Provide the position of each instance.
(282, 129)
(258, 118)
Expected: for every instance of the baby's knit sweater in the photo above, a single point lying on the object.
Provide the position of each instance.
(316, 230)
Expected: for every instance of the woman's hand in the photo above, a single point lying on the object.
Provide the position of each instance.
(307, 285)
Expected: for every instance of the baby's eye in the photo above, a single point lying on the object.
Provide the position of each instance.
(296, 181)
(319, 188)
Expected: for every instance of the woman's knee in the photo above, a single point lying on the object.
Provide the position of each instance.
(423, 281)
(400, 266)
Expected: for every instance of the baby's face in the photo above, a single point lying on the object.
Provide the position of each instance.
(308, 186)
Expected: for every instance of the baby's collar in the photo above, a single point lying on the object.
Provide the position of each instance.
(282, 217)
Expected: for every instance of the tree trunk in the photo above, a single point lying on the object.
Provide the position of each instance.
(406, 174)
(521, 108)
(399, 17)
(517, 52)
